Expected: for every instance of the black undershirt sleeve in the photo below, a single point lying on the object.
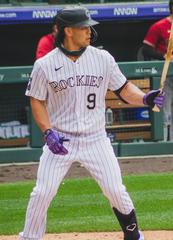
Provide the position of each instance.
(118, 91)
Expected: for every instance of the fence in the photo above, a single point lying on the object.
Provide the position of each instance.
(135, 130)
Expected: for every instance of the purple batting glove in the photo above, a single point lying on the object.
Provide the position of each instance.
(154, 97)
(55, 142)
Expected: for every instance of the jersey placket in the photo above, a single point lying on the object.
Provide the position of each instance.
(77, 97)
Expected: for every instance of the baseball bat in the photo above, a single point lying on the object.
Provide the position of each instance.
(166, 65)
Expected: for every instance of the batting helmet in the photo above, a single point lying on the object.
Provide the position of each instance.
(74, 17)
(170, 6)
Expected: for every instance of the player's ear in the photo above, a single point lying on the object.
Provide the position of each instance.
(68, 31)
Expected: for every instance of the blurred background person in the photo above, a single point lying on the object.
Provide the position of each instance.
(154, 48)
(47, 42)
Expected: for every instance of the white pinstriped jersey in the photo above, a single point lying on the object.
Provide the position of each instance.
(75, 91)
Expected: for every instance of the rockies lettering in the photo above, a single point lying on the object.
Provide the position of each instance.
(78, 80)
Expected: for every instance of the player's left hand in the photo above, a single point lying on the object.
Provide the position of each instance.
(154, 97)
(55, 142)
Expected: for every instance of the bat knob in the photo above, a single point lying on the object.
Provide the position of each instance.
(156, 108)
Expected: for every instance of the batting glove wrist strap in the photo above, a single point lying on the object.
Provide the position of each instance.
(55, 142)
(154, 97)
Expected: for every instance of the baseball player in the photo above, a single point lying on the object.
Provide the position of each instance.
(67, 89)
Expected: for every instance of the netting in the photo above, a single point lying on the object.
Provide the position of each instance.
(14, 128)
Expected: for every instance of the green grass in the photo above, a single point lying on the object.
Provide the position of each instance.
(80, 205)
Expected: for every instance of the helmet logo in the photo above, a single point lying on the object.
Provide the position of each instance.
(87, 13)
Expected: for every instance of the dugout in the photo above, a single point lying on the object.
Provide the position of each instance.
(121, 38)
(121, 30)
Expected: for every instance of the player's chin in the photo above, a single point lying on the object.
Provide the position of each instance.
(87, 42)
(85, 45)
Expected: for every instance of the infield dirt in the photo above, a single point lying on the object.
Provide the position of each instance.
(135, 166)
(149, 235)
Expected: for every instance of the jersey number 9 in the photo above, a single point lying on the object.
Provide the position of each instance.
(91, 100)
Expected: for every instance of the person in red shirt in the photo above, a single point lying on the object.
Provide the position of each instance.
(154, 48)
(156, 39)
(47, 42)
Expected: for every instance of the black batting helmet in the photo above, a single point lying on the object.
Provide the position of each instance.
(170, 6)
(77, 16)
(74, 17)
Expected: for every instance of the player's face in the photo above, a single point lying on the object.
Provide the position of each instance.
(80, 37)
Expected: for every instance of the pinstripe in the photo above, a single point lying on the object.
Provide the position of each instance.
(122, 198)
(50, 174)
(86, 156)
(35, 203)
(103, 166)
(109, 174)
(48, 193)
(99, 161)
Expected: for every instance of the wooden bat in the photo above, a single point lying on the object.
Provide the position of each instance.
(166, 64)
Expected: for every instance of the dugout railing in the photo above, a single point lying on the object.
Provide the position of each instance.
(133, 134)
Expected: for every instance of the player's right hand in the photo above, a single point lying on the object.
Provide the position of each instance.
(154, 97)
(55, 142)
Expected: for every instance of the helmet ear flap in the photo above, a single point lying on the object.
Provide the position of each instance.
(94, 35)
